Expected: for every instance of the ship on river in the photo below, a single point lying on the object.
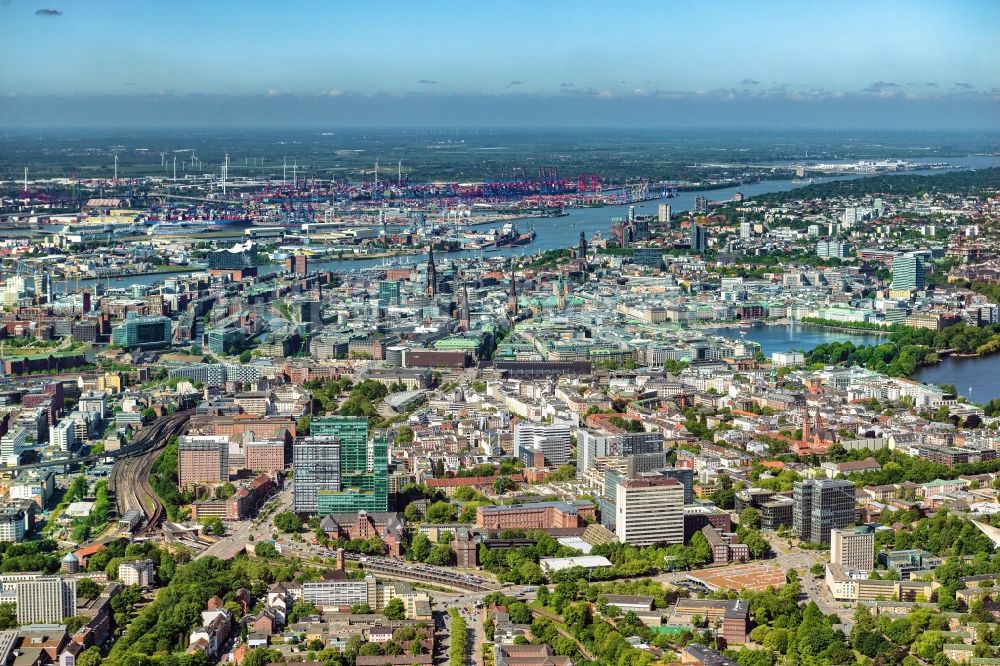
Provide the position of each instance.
(509, 236)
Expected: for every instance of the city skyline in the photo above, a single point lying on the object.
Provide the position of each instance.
(913, 65)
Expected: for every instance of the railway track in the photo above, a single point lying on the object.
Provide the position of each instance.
(130, 475)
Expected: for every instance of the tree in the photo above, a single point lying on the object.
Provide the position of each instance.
(288, 521)
(266, 550)
(750, 518)
(260, 657)
(301, 609)
(395, 609)
(441, 512)
(404, 435)
(440, 555)
(87, 589)
(412, 513)
(420, 548)
(502, 484)
(756, 542)
(73, 624)
(928, 644)
(90, 657)
(225, 490)
(214, 525)
(519, 612)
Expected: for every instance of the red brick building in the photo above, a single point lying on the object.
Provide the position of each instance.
(536, 515)
(266, 456)
(364, 525)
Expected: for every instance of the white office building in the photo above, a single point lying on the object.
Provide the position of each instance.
(853, 548)
(63, 434)
(336, 590)
(650, 510)
(12, 445)
(45, 599)
(553, 441)
(136, 572)
(12, 524)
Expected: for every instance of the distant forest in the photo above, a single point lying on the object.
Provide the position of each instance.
(959, 182)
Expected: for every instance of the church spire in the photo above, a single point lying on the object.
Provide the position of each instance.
(431, 272)
(512, 297)
(464, 316)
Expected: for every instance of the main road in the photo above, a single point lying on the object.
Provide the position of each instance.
(248, 531)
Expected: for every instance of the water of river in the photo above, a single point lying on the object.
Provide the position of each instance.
(560, 232)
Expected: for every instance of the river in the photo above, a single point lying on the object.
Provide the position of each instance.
(561, 232)
(977, 379)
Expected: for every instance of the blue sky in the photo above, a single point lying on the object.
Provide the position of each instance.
(929, 63)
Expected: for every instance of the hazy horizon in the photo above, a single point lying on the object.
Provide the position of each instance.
(914, 65)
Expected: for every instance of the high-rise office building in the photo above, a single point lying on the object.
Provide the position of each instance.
(389, 292)
(592, 445)
(822, 505)
(552, 441)
(11, 524)
(45, 599)
(663, 213)
(316, 462)
(827, 249)
(63, 435)
(853, 548)
(699, 238)
(649, 510)
(908, 273)
(142, 333)
(338, 469)
(701, 204)
(12, 445)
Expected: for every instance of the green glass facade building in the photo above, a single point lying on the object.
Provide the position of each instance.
(142, 333)
(362, 479)
(908, 273)
(389, 292)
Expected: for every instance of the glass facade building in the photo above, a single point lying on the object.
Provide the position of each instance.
(343, 470)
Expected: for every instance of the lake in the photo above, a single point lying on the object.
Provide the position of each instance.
(798, 337)
(976, 378)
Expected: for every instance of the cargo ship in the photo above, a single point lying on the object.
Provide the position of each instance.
(193, 226)
(509, 236)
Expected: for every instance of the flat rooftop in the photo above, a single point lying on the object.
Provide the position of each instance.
(753, 577)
